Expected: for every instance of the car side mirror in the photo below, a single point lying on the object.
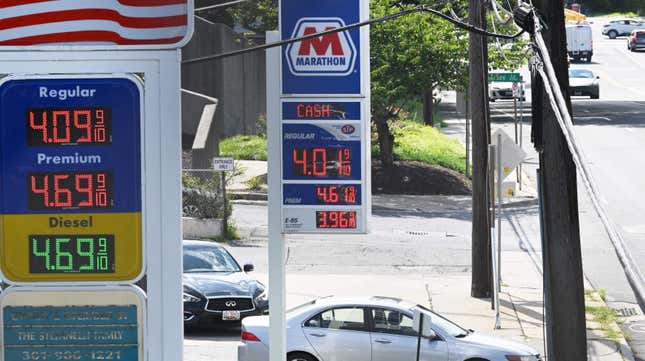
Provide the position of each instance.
(249, 267)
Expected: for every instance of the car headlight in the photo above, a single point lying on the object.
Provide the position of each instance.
(263, 297)
(522, 358)
(190, 298)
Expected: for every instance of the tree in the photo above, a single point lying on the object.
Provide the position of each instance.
(410, 56)
(256, 15)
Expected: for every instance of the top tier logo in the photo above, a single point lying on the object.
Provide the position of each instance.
(329, 55)
(96, 24)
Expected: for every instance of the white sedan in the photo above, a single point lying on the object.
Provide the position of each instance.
(373, 329)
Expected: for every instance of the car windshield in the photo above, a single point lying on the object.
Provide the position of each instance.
(444, 324)
(208, 259)
(580, 73)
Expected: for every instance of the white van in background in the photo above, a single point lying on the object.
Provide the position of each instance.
(579, 42)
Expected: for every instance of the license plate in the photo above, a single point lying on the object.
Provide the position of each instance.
(230, 315)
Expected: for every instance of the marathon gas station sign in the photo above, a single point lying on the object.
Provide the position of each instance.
(324, 114)
(90, 236)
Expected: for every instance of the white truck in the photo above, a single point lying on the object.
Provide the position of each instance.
(579, 42)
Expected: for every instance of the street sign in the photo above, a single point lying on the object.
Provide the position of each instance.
(96, 24)
(223, 164)
(512, 155)
(504, 77)
(72, 324)
(70, 188)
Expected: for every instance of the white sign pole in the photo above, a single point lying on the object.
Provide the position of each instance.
(277, 280)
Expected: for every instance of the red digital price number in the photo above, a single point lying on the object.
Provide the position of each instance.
(335, 219)
(322, 162)
(336, 194)
(70, 190)
(86, 126)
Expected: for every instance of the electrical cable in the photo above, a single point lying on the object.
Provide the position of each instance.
(558, 103)
(420, 8)
(498, 15)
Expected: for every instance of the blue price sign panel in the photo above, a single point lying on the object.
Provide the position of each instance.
(325, 113)
(323, 166)
(331, 64)
(321, 152)
(311, 111)
(70, 179)
(99, 326)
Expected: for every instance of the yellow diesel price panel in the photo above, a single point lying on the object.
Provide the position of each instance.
(71, 179)
(71, 248)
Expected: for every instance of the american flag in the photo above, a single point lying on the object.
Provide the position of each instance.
(90, 22)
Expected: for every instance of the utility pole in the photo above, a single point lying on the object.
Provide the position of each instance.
(563, 278)
(481, 285)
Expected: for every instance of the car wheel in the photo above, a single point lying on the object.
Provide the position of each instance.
(612, 34)
(300, 356)
(589, 59)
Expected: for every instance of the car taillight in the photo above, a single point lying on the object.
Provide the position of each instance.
(247, 336)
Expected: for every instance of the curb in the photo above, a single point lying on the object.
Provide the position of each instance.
(622, 346)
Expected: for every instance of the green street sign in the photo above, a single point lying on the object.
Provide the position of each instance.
(504, 77)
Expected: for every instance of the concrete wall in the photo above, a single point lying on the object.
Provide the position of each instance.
(237, 82)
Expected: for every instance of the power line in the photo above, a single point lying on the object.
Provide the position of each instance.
(220, 5)
(421, 8)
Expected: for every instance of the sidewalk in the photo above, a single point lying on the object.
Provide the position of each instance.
(442, 224)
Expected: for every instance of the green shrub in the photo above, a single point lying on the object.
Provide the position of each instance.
(202, 197)
(244, 147)
(417, 142)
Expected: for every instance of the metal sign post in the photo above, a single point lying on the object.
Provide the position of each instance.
(87, 207)
(318, 125)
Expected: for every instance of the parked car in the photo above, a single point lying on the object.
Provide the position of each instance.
(621, 27)
(216, 288)
(579, 42)
(583, 82)
(502, 90)
(373, 329)
(636, 40)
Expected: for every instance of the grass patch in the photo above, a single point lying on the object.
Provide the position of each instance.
(605, 316)
(417, 142)
(231, 234)
(244, 147)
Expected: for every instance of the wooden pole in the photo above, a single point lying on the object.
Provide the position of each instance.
(481, 285)
(565, 307)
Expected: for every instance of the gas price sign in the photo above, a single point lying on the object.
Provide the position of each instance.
(70, 181)
(323, 166)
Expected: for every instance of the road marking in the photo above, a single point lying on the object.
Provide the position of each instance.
(637, 327)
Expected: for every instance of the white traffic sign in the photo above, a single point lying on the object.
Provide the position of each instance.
(223, 164)
(512, 154)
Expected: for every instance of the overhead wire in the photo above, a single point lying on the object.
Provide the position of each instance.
(421, 8)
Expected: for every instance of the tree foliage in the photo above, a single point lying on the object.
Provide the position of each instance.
(256, 15)
(410, 55)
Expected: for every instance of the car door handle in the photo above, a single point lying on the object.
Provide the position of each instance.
(318, 334)
(383, 341)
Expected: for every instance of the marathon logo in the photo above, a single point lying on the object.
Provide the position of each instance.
(329, 55)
